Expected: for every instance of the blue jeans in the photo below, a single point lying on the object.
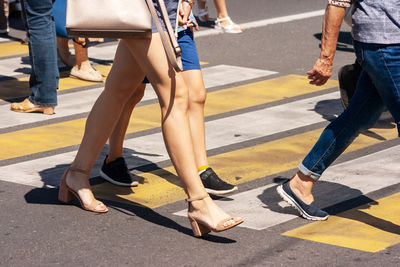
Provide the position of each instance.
(377, 87)
(41, 34)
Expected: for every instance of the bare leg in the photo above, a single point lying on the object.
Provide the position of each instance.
(103, 118)
(83, 68)
(173, 98)
(117, 137)
(222, 11)
(63, 51)
(197, 98)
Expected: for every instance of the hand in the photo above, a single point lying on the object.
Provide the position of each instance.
(184, 12)
(321, 72)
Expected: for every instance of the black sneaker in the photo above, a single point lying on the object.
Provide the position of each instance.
(116, 172)
(214, 185)
(309, 212)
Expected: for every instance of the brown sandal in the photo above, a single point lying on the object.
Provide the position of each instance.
(200, 228)
(66, 194)
(27, 107)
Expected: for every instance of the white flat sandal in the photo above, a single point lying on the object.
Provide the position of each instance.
(230, 28)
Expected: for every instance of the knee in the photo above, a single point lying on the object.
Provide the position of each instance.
(197, 97)
(136, 96)
(179, 102)
(120, 90)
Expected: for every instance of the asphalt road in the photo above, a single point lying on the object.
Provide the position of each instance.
(272, 136)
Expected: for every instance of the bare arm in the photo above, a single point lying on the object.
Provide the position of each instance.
(322, 69)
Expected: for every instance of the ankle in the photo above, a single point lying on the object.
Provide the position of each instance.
(302, 187)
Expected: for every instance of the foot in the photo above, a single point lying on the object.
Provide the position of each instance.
(214, 185)
(86, 72)
(4, 30)
(307, 209)
(227, 25)
(116, 172)
(206, 212)
(79, 183)
(201, 10)
(27, 106)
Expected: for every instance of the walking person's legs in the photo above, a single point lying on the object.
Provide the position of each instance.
(173, 98)
(378, 86)
(43, 55)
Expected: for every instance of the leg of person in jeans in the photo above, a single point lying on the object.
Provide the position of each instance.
(4, 12)
(44, 76)
(377, 87)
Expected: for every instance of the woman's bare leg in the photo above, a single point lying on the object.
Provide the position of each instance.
(103, 118)
(173, 97)
(197, 98)
(116, 140)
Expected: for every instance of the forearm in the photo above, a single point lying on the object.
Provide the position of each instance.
(330, 32)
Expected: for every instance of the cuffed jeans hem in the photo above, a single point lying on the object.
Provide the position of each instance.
(307, 172)
(42, 104)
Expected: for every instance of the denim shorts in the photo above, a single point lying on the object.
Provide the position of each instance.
(190, 59)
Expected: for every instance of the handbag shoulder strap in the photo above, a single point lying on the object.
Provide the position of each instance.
(174, 59)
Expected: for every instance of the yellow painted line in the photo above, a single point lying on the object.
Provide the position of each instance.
(19, 87)
(202, 63)
(13, 49)
(58, 135)
(371, 227)
(162, 186)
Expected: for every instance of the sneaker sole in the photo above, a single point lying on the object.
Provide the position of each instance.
(107, 178)
(221, 192)
(294, 204)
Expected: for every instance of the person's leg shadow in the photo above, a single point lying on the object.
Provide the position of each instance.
(339, 200)
(48, 194)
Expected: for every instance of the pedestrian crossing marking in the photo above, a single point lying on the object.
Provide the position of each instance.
(161, 186)
(13, 49)
(371, 227)
(69, 133)
(13, 88)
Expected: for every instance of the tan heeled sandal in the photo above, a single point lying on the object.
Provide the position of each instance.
(66, 194)
(200, 228)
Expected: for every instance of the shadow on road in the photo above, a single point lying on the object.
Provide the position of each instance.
(48, 195)
(351, 204)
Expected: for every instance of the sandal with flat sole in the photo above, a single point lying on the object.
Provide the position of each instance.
(230, 28)
(66, 194)
(27, 107)
(199, 228)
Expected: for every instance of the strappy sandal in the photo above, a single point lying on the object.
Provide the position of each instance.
(202, 13)
(230, 28)
(66, 194)
(199, 228)
(27, 107)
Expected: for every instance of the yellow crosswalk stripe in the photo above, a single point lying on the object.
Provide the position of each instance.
(64, 134)
(13, 49)
(371, 227)
(162, 186)
(14, 88)
(20, 87)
